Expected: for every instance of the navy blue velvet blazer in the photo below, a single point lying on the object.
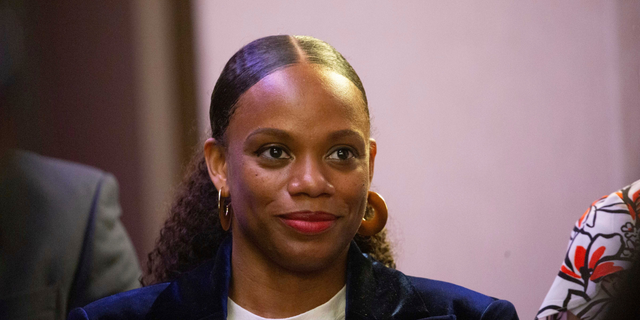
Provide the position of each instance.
(373, 292)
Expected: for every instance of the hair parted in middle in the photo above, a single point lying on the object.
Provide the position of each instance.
(192, 233)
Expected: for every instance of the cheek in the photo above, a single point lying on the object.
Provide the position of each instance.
(354, 190)
(253, 186)
(257, 182)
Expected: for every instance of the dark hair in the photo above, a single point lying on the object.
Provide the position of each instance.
(624, 303)
(192, 233)
(262, 57)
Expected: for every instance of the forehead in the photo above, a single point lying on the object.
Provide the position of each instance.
(306, 94)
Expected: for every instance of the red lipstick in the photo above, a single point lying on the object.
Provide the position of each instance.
(309, 222)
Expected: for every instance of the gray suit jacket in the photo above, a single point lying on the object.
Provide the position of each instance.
(61, 241)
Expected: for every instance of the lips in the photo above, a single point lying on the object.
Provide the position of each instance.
(308, 222)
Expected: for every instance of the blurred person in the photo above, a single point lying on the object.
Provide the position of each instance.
(603, 244)
(624, 305)
(270, 221)
(61, 241)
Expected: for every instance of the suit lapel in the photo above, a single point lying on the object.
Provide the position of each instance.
(377, 292)
(198, 294)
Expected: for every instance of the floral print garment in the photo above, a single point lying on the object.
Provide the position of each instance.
(603, 243)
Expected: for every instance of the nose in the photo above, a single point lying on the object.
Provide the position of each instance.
(308, 177)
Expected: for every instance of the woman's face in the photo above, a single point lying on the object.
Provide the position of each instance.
(298, 163)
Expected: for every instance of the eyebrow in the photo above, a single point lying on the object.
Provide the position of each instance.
(345, 133)
(271, 132)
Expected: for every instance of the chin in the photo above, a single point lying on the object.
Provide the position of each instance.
(311, 257)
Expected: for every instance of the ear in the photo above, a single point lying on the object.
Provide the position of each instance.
(373, 150)
(215, 156)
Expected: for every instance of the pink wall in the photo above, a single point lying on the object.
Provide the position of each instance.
(497, 123)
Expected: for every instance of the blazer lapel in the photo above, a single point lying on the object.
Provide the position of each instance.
(198, 294)
(377, 292)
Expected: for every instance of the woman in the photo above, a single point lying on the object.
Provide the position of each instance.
(603, 244)
(287, 170)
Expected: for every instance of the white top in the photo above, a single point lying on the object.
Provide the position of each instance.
(331, 310)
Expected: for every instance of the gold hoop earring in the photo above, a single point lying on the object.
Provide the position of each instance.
(380, 214)
(223, 210)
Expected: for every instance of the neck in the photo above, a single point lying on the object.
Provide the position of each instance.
(272, 291)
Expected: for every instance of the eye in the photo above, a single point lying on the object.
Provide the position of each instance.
(274, 152)
(342, 154)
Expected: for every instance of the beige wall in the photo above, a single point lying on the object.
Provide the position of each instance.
(498, 122)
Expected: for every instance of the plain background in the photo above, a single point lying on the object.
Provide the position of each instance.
(498, 122)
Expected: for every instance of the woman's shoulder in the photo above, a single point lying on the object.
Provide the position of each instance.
(414, 297)
(447, 298)
(133, 304)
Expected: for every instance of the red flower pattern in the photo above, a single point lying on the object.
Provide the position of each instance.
(602, 244)
(595, 270)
